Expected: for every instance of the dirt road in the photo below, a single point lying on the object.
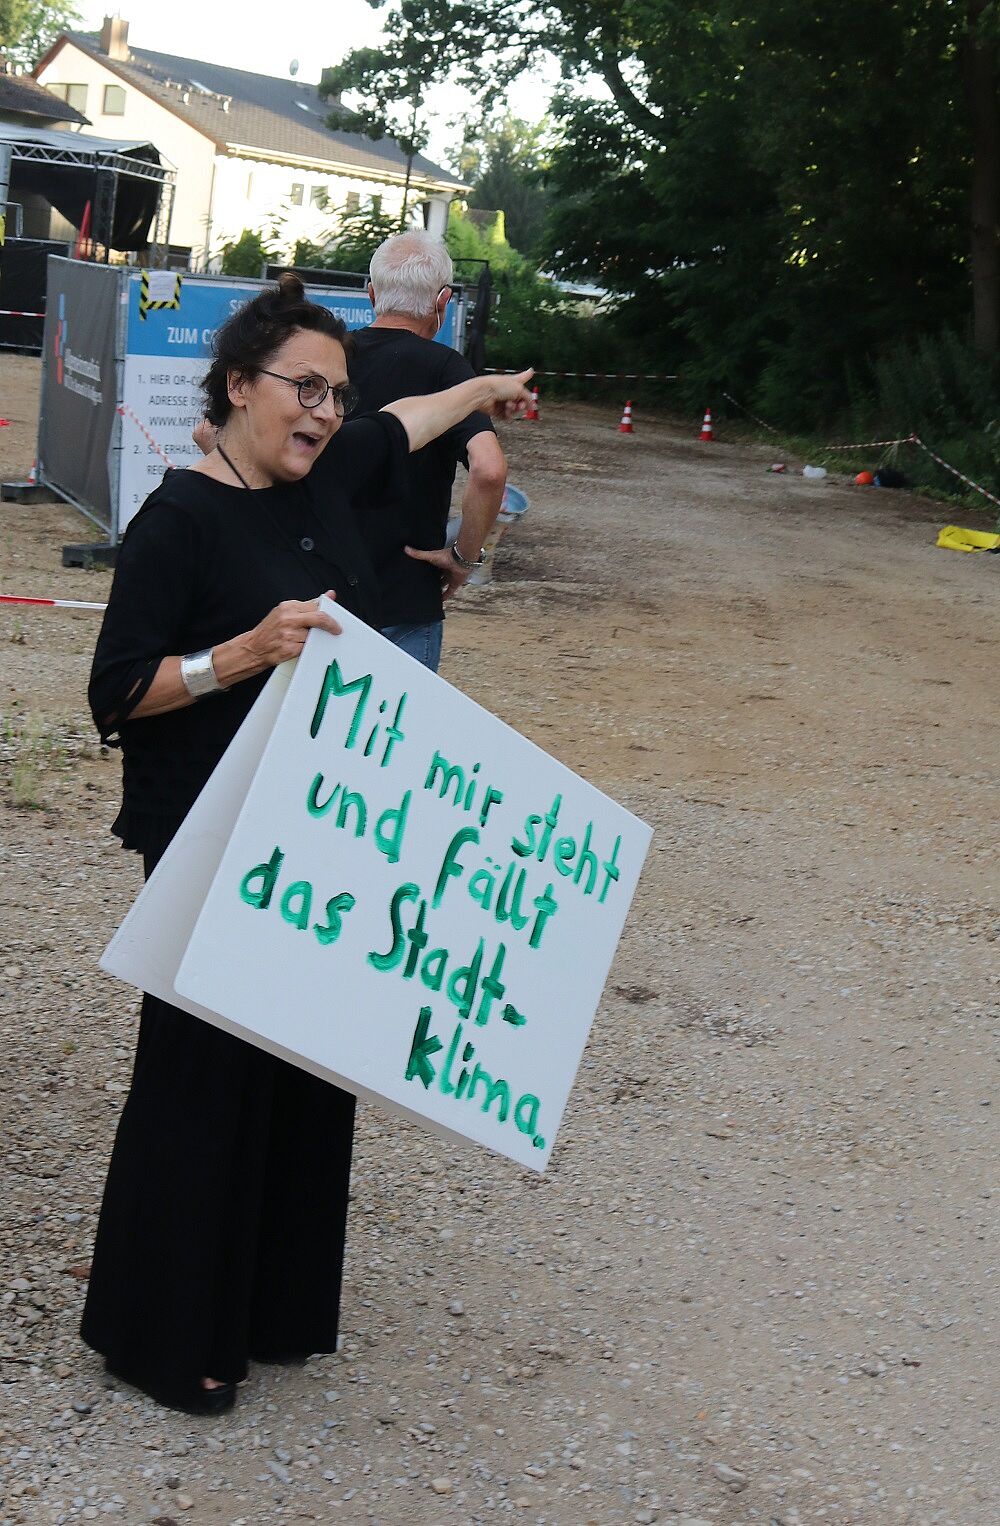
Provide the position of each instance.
(758, 1282)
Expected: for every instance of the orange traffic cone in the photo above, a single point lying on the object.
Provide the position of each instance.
(33, 474)
(531, 412)
(706, 426)
(625, 427)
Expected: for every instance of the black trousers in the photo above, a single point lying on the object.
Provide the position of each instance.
(221, 1234)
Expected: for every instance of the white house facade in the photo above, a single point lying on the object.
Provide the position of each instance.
(250, 151)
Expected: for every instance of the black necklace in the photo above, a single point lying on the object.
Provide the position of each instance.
(234, 469)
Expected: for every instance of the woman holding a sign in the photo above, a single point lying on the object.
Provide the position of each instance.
(222, 1229)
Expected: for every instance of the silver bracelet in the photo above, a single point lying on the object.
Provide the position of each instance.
(469, 566)
(198, 674)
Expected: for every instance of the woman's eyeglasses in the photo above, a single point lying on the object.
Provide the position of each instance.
(313, 390)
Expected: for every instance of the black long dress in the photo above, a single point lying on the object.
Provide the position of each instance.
(221, 1233)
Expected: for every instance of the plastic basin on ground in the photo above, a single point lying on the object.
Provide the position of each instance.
(515, 503)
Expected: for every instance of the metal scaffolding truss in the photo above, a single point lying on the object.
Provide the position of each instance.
(89, 158)
(109, 161)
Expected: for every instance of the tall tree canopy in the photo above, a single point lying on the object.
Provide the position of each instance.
(778, 192)
(506, 161)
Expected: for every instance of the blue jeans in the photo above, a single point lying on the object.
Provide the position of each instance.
(421, 641)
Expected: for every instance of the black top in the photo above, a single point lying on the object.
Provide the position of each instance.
(389, 364)
(202, 562)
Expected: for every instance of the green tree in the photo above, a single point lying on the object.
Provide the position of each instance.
(980, 64)
(506, 164)
(247, 255)
(13, 14)
(28, 28)
(393, 112)
(533, 323)
(777, 193)
(469, 240)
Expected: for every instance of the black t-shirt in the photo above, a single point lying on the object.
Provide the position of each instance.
(391, 363)
(202, 562)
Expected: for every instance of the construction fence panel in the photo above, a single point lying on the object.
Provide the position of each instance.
(141, 343)
(77, 416)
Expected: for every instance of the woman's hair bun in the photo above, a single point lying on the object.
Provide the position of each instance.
(290, 289)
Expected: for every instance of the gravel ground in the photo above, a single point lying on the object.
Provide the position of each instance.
(757, 1282)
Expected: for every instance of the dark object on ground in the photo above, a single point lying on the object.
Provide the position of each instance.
(888, 476)
(98, 555)
(27, 492)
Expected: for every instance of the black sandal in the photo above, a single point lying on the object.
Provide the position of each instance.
(190, 1401)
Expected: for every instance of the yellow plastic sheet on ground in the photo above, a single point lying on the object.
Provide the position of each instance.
(954, 538)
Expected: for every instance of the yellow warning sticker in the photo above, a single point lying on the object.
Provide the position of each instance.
(159, 289)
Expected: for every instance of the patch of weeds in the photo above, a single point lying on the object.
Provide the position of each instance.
(33, 749)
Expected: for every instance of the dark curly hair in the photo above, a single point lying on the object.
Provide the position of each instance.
(255, 333)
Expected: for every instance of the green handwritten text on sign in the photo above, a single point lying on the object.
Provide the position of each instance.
(414, 900)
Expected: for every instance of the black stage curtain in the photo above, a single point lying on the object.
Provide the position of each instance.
(68, 188)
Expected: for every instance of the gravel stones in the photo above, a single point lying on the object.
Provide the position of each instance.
(731, 1477)
(774, 1165)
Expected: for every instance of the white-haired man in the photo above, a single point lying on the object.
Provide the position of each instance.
(409, 288)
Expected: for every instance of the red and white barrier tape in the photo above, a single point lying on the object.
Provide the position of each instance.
(125, 412)
(588, 375)
(769, 427)
(12, 312)
(861, 445)
(909, 439)
(871, 444)
(13, 598)
(914, 439)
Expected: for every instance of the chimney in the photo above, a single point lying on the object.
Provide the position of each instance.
(114, 38)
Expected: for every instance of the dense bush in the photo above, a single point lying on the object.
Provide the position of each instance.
(943, 390)
(533, 323)
(247, 255)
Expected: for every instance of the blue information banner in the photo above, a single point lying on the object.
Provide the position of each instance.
(172, 320)
(182, 324)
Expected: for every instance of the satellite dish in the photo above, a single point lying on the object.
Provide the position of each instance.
(293, 67)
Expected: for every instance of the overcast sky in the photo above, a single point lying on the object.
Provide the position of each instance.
(251, 37)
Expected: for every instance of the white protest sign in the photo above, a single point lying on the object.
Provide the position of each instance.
(408, 897)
